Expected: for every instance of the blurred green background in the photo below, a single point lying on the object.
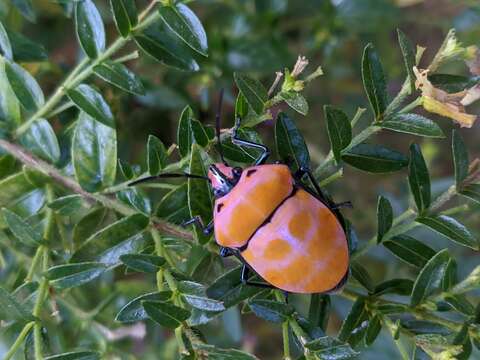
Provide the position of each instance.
(262, 37)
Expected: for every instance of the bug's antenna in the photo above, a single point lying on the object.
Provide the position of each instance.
(168, 176)
(217, 125)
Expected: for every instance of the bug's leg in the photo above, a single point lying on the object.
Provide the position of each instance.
(226, 252)
(245, 281)
(344, 204)
(197, 220)
(240, 142)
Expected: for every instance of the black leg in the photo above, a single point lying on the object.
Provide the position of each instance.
(197, 220)
(305, 171)
(245, 281)
(226, 252)
(240, 142)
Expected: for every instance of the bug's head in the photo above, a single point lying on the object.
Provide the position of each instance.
(223, 178)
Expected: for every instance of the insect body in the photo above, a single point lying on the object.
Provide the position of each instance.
(280, 229)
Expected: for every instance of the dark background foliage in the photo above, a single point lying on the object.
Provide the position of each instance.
(257, 38)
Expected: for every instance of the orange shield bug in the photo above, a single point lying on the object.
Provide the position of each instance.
(292, 236)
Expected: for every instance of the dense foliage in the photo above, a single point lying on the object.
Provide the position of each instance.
(94, 268)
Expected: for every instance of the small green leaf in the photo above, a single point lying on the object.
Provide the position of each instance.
(124, 236)
(354, 319)
(25, 87)
(296, 101)
(460, 158)
(430, 277)
(94, 153)
(195, 295)
(66, 205)
(24, 49)
(328, 348)
(184, 132)
(200, 202)
(11, 309)
(419, 179)
(9, 104)
(394, 286)
(89, 28)
(384, 217)
(88, 225)
(460, 304)
(143, 262)
(75, 355)
(408, 57)
(413, 124)
(241, 106)
(156, 155)
(239, 153)
(21, 229)
(374, 158)
(26, 9)
(125, 15)
(120, 76)
(472, 191)
(339, 130)
(373, 329)
(133, 311)
(450, 228)
(135, 198)
(41, 140)
(174, 205)
(409, 250)
(291, 147)
(92, 102)
(186, 26)
(362, 276)
(269, 310)
(215, 353)
(253, 91)
(166, 314)
(5, 46)
(72, 275)
(319, 310)
(374, 81)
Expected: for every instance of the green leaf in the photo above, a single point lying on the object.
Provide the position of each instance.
(450, 228)
(24, 49)
(72, 275)
(339, 130)
(156, 155)
(215, 353)
(92, 102)
(460, 158)
(269, 310)
(5, 46)
(408, 57)
(241, 106)
(357, 314)
(143, 262)
(120, 76)
(362, 276)
(88, 225)
(430, 277)
(184, 132)
(239, 153)
(41, 140)
(89, 28)
(195, 295)
(319, 310)
(26, 9)
(186, 26)
(75, 355)
(21, 196)
(413, 124)
(133, 311)
(135, 198)
(374, 158)
(124, 236)
(94, 153)
(394, 286)
(166, 314)
(25, 87)
(291, 147)
(200, 202)
(410, 250)
(66, 205)
(125, 15)
(174, 205)
(296, 101)
(11, 309)
(253, 91)
(373, 330)
(21, 229)
(374, 81)
(9, 104)
(384, 217)
(460, 304)
(419, 179)
(472, 191)
(162, 44)
(329, 348)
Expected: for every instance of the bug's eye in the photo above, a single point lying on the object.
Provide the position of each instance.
(237, 171)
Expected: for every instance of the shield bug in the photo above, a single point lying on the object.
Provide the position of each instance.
(291, 235)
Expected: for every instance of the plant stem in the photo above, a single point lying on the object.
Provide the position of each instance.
(33, 266)
(42, 291)
(286, 340)
(401, 349)
(357, 116)
(335, 176)
(417, 102)
(19, 341)
(61, 108)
